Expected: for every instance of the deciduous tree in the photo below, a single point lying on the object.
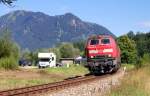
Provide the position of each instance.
(67, 50)
(128, 49)
(7, 2)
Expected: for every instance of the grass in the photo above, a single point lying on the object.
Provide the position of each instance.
(28, 77)
(136, 83)
(128, 66)
(11, 83)
(72, 70)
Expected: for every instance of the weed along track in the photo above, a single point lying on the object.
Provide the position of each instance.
(52, 87)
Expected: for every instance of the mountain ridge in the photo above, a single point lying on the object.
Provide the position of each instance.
(35, 30)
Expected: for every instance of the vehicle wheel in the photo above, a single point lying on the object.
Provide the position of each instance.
(39, 67)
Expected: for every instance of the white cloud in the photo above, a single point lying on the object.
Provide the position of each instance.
(145, 24)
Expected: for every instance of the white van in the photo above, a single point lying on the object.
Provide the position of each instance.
(46, 60)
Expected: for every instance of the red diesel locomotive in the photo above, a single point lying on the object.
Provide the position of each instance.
(103, 54)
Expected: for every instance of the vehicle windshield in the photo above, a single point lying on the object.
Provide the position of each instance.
(44, 59)
(105, 41)
(94, 42)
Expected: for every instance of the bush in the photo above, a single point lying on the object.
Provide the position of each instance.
(146, 59)
(128, 49)
(57, 52)
(9, 51)
(8, 63)
(67, 50)
(141, 62)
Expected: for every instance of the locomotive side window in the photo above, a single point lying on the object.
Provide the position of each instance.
(94, 42)
(105, 41)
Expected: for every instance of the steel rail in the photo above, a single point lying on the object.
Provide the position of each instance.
(51, 87)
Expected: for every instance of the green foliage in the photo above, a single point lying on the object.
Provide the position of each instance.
(139, 63)
(34, 56)
(15, 50)
(44, 50)
(128, 66)
(7, 2)
(142, 41)
(146, 59)
(5, 45)
(68, 51)
(80, 45)
(31, 56)
(128, 49)
(136, 83)
(8, 63)
(63, 50)
(57, 52)
(9, 53)
(131, 34)
(73, 70)
(26, 54)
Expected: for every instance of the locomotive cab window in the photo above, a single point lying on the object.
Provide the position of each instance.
(105, 41)
(94, 42)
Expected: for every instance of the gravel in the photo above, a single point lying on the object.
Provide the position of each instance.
(95, 88)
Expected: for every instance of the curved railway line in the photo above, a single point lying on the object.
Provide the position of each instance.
(52, 87)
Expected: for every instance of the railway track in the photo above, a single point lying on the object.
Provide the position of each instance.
(50, 87)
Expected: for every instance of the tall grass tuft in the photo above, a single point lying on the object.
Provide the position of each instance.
(136, 83)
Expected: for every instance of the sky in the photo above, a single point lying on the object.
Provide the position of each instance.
(119, 16)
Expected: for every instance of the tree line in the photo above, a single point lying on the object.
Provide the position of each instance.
(62, 50)
(135, 48)
(11, 53)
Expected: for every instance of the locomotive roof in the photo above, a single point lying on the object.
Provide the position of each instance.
(100, 36)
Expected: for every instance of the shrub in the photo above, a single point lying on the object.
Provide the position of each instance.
(146, 59)
(8, 63)
(128, 49)
(57, 52)
(67, 50)
(9, 51)
(141, 62)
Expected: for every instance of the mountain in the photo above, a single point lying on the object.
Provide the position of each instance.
(34, 30)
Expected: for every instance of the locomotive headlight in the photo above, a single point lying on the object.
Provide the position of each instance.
(93, 51)
(92, 56)
(109, 55)
(107, 50)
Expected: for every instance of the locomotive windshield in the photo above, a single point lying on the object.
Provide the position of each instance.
(94, 42)
(105, 41)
